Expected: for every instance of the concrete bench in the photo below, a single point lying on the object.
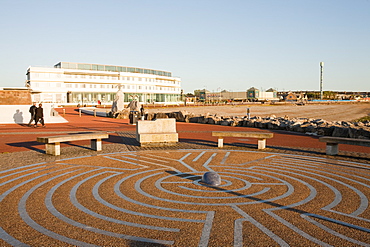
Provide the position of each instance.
(261, 137)
(332, 143)
(52, 143)
(158, 132)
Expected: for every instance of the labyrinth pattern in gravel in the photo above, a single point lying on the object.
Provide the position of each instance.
(156, 198)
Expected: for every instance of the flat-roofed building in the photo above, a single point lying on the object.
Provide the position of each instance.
(83, 83)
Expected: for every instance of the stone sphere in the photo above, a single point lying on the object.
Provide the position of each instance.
(211, 178)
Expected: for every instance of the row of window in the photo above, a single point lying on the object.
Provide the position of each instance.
(95, 77)
(103, 86)
(100, 67)
(80, 97)
(93, 98)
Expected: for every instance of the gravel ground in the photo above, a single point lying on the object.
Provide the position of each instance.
(225, 217)
(329, 112)
(149, 198)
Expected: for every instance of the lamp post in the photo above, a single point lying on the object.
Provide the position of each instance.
(321, 72)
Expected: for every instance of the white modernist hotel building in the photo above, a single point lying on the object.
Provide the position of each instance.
(82, 83)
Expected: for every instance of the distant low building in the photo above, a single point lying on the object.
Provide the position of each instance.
(231, 95)
(251, 95)
(255, 94)
(295, 96)
(291, 97)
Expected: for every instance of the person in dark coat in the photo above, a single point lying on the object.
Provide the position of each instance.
(33, 113)
(39, 116)
(142, 112)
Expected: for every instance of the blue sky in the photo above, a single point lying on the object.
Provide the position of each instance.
(228, 45)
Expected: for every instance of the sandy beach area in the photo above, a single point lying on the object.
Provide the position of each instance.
(329, 112)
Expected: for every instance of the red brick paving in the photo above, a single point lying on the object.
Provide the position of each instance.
(16, 138)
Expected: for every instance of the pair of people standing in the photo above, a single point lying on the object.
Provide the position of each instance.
(37, 114)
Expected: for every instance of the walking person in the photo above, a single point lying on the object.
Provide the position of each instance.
(39, 116)
(33, 113)
(142, 112)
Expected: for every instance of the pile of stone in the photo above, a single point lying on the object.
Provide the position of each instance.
(123, 114)
(309, 126)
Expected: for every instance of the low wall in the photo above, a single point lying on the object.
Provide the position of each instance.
(20, 97)
(19, 114)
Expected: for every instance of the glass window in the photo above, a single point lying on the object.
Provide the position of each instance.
(110, 68)
(58, 97)
(100, 67)
(84, 66)
(65, 65)
(121, 69)
(132, 70)
(72, 66)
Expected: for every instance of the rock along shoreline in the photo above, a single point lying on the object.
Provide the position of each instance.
(310, 126)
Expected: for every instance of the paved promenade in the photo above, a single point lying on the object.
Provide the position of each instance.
(290, 194)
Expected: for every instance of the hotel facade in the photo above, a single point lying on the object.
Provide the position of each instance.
(85, 84)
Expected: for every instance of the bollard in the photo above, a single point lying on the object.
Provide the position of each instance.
(79, 112)
(94, 112)
(64, 112)
(133, 117)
